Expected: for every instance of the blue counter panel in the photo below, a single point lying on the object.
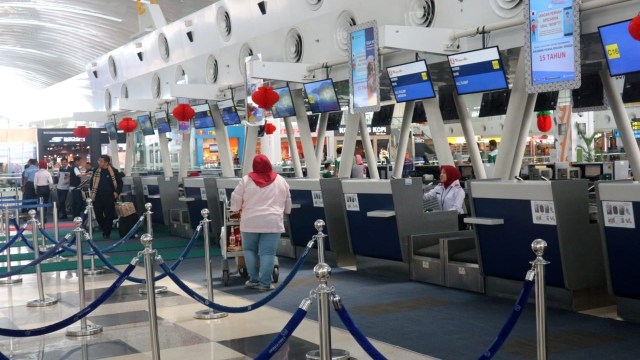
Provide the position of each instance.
(623, 250)
(301, 219)
(374, 236)
(506, 249)
(195, 206)
(157, 217)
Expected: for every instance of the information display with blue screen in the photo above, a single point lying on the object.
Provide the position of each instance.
(229, 113)
(411, 81)
(621, 50)
(364, 81)
(322, 96)
(202, 119)
(162, 121)
(284, 107)
(111, 130)
(478, 71)
(144, 121)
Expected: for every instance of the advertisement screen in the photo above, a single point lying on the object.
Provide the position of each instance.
(478, 71)
(162, 121)
(284, 107)
(411, 81)
(553, 45)
(621, 50)
(322, 96)
(202, 119)
(363, 80)
(111, 130)
(229, 113)
(144, 121)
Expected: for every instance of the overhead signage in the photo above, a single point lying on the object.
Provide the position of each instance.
(364, 82)
(373, 130)
(621, 50)
(478, 71)
(411, 81)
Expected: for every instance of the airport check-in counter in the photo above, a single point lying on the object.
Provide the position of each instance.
(509, 215)
(619, 215)
(199, 193)
(132, 192)
(162, 193)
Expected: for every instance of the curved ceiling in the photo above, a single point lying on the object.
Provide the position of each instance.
(44, 42)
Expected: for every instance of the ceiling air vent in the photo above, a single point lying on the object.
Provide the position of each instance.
(293, 46)
(163, 47)
(113, 70)
(315, 4)
(155, 87)
(420, 12)
(507, 8)
(223, 19)
(107, 100)
(345, 21)
(124, 91)
(211, 70)
(245, 51)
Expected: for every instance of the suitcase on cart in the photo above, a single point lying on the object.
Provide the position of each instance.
(125, 223)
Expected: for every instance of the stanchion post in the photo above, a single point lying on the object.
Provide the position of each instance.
(42, 300)
(92, 258)
(7, 220)
(84, 329)
(209, 313)
(149, 258)
(147, 214)
(538, 246)
(323, 272)
(56, 229)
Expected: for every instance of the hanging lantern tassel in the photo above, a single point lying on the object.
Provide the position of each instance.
(544, 121)
(269, 128)
(265, 97)
(127, 124)
(183, 112)
(81, 131)
(634, 27)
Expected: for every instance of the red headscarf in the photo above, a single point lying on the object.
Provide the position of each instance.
(262, 173)
(42, 164)
(452, 174)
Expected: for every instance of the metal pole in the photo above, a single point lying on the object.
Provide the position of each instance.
(42, 217)
(7, 220)
(42, 299)
(149, 258)
(83, 329)
(209, 313)
(56, 230)
(158, 289)
(538, 246)
(323, 272)
(90, 215)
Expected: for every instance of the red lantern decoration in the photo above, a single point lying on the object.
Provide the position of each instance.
(265, 97)
(269, 128)
(184, 112)
(127, 124)
(634, 27)
(544, 121)
(81, 131)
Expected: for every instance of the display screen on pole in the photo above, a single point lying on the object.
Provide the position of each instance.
(162, 121)
(202, 119)
(411, 81)
(478, 71)
(144, 121)
(284, 107)
(322, 96)
(364, 82)
(621, 50)
(229, 114)
(111, 130)
(553, 46)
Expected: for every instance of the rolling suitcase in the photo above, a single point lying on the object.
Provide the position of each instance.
(125, 223)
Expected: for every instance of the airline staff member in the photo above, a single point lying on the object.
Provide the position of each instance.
(449, 193)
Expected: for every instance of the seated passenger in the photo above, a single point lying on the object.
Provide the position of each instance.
(448, 192)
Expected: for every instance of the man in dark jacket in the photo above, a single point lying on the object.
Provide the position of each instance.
(106, 186)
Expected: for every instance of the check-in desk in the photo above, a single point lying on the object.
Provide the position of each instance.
(508, 216)
(162, 193)
(132, 191)
(199, 193)
(619, 216)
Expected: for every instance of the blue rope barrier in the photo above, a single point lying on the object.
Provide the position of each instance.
(13, 201)
(357, 334)
(77, 316)
(282, 337)
(138, 280)
(11, 241)
(31, 206)
(50, 253)
(511, 321)
(21, 231)
(206, 302)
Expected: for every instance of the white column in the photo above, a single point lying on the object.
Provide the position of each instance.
(250, 140)
(404, 138)
(115, 160)
(321, 130)
(372, 161)
(436, 126)
(293, 149)
(313, 169)
(521, 143)
(469, 137)
(222, 139)
(128, 155)
(164, 153)
(349, 145)
(185, 155)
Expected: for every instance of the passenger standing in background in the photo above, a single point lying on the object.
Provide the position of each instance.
(493, 151)
(327, 170)
(75, 179)
(28, 189)
(62, 188)
(407, 168)
(336, 163)
(263, 197)
(43, 183)
(106, 186)
(358, 170)
(448, 192)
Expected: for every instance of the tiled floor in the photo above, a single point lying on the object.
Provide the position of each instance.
(126, 327)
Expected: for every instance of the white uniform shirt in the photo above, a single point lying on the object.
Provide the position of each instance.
(451, 198)
(64, 177)
(42, 178)
(262, 208)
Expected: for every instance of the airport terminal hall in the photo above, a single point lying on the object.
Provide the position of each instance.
(319, 179)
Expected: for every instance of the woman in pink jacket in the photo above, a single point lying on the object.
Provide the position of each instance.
(263, 197)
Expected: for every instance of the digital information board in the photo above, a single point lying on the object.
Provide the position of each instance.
(621, 50)
(364, 82)
(478, 71)
(411, 81)
(162, 122)
(552, 45)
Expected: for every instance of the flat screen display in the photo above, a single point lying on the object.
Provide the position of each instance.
(494, 103)
(478, 71)
(384, 116)
(635, 127)
(589, 95)
(213, 147)
(162, 121)
(447, 105)
(322, 96)
(111, 130)
(546, 101)
(411, 81)
(553, 46)
(419, 115)
(313, 122)
(631, 89)
(363, 77)
(284, 107)
(144, 121)
(202, 119)
(229, 113)
(620, 49)
(334, 121)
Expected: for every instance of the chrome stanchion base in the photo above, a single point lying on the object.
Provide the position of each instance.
(157, 290)
(10, 280)
(91, 329)
(94, 272)
(336, 354)
(209, 314)
(47, 301)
